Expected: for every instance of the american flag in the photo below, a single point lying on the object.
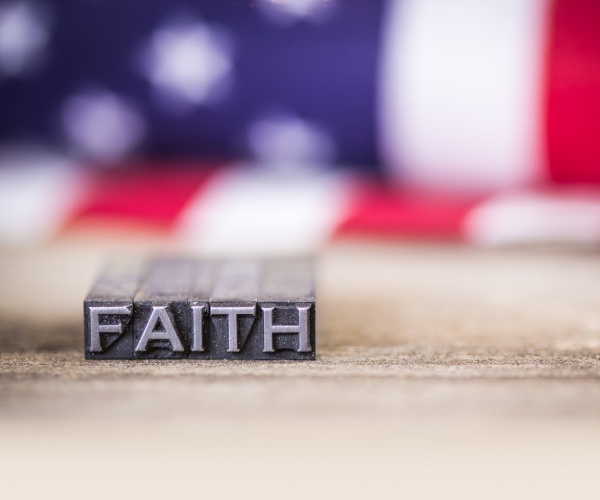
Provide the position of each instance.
(279, 125)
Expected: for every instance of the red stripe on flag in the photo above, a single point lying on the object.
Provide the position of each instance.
(146, 195)
(379, 210)
(573, 92)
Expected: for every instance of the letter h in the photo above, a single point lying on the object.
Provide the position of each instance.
(301, 329)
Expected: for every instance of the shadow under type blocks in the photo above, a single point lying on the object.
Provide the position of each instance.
(199, 309)
(108, 313)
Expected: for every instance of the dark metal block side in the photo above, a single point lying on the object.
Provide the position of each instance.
(114, 345)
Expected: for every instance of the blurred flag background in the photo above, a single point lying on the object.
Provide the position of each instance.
(279, 125)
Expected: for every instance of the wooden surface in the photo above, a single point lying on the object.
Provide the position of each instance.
(442, 370)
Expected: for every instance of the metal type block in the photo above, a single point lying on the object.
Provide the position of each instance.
(286, 315)
(233, 310)
(163, 318)
(108, 312)
(184, 308)
(199, 304)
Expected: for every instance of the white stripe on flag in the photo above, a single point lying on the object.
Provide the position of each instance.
(38, 193)
(460, 97)
(528, 217)
(244, 211)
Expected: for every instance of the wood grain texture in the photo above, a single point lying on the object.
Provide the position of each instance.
(469, 366)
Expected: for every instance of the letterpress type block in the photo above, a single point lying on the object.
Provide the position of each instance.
(199, 304)
(162, 312)
(108, 312)
(286, 328)
(233, 310)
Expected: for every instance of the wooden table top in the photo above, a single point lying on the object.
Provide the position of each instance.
(441, 369)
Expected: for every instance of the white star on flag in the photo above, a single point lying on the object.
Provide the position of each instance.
(24, 34)
(102, 125)
(287, 142)
(188, 63)
(287, 12)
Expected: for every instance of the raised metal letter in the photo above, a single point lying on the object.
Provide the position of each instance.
(169, 333)
(96, 328)
(232, 313)
(197, 322)
(301, 329)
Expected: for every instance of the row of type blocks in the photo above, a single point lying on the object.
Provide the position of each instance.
(176, 308)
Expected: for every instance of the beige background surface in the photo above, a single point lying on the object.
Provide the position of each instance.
(442, 370)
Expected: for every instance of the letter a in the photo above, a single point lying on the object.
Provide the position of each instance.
(150, 332)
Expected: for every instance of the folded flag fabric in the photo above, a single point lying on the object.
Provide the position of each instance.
(240, 208)
(275, 126)
(451, 95)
